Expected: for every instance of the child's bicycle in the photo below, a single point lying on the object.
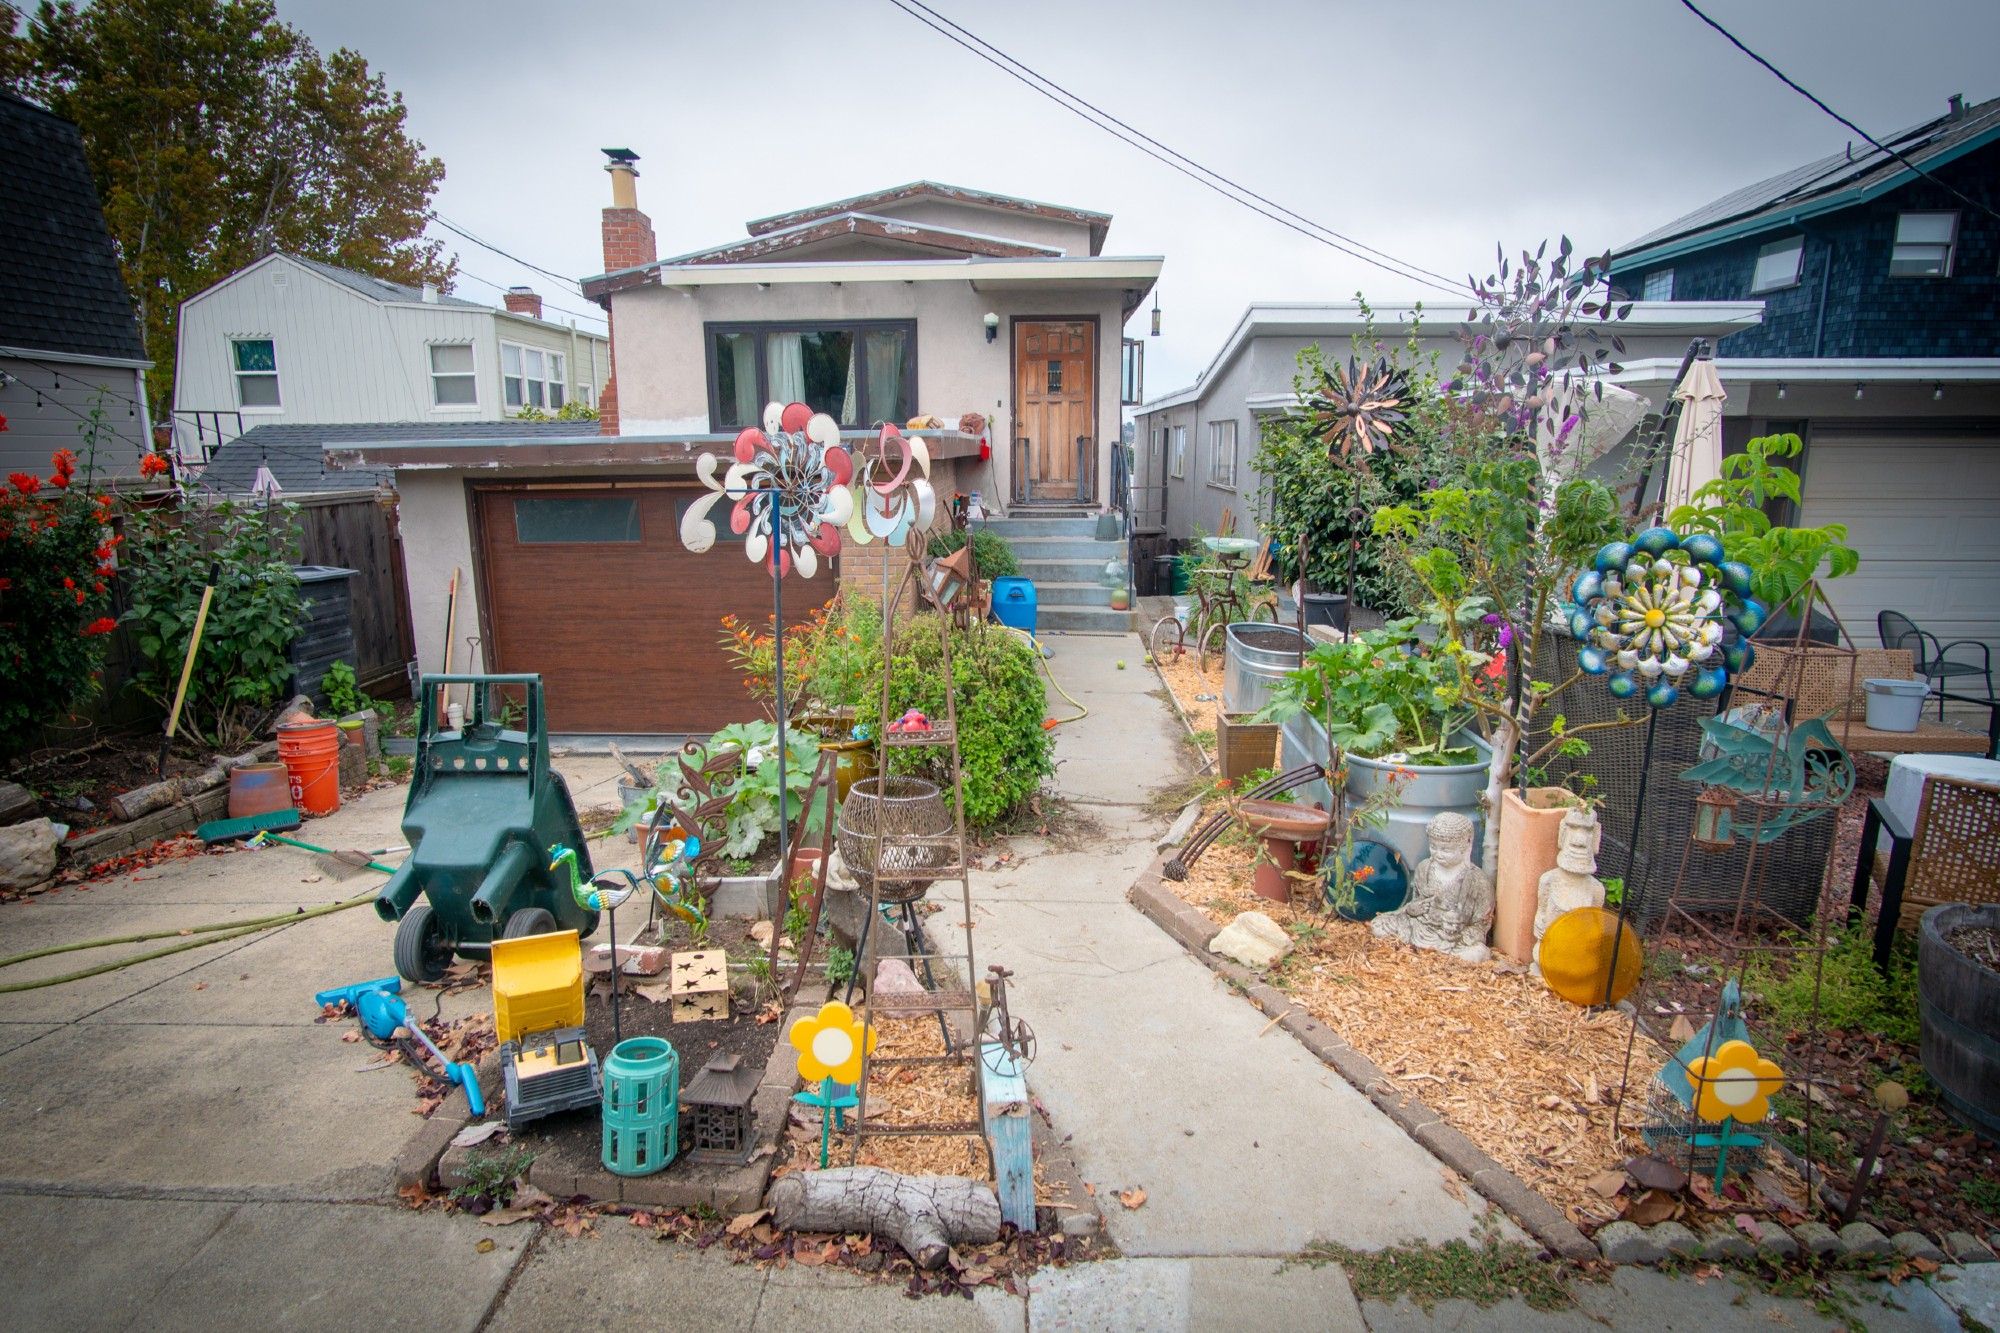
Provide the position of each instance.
(1222, 597)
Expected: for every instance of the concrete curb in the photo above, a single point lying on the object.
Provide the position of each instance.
(1192, 928)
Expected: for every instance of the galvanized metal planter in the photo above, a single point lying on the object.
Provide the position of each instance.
(1430, 791)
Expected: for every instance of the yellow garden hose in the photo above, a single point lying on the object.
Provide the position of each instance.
(1050, 724)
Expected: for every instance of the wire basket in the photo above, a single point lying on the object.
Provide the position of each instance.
(897, 825)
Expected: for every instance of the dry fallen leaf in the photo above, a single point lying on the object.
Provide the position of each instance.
(1650, 1207)
(1682, 1030)
(485, 1246)
(1132, 1198)
(1606, 1183)
(475, 1134)
(742, 1222)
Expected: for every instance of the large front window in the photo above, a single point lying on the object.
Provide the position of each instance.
(532, 377)
(860, 373)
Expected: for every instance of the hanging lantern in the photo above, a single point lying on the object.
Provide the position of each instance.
(1714, 819)
(948, 576)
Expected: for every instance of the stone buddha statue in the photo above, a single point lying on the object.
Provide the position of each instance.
(1573, 883)
(1450, 906)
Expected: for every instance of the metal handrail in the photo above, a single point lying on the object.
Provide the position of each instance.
(207, 419)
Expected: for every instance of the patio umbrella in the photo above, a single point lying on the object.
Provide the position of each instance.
(1697, 451)
(1606, 421)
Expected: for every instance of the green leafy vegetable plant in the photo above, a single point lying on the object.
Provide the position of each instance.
(1736, 507)
(1004, 750)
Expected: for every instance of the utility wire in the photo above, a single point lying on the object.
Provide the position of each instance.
(1166, 156)
(450, 226)
(1796, 87)
(546, 303)
(1174, 153)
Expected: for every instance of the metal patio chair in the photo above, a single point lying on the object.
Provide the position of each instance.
(1932, 658)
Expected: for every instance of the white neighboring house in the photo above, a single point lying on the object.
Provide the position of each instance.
(292, 340)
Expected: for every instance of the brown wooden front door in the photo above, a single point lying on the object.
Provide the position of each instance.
(592, 590)
(1055, 400)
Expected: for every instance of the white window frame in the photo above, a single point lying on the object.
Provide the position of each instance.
(1771, 250)
(1950, 242)
(236, 377)
(1222, 478)
(1156, 447)
(470, 374)
(553, 380)
(1659, 285)
(1178, 454)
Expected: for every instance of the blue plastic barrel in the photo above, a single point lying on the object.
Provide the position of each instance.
(1014, 602)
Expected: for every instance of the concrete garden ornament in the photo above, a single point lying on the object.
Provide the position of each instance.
(1661, 610)
(793, 471)
(1450, 907)
(1573, 883)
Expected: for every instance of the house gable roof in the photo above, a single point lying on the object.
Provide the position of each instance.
(380, 289)
(946, 240)
(296, 451)
(1098, 223)
(1837, 181)
(60, 286)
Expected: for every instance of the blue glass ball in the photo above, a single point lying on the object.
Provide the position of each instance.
(1703, 548)
(1709, 682)
(1657, 541)
(1612, 555)
(1588, 587)
(1736, 576)
(1623, 685)
(1662, 695)
(1579, 623)
(1591, 660)
(1386, 888)
(1749, 617)
(1737, 655)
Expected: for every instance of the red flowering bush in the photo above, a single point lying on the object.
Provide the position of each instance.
(56, 558)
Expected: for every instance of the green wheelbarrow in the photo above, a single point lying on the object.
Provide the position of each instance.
(483, 811)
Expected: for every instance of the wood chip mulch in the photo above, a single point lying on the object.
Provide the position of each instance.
(900, 1095)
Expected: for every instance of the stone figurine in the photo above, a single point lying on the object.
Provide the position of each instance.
(1573, 883)
(1450, 907)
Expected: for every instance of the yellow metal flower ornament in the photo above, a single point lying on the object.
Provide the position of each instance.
(1735, 1083)
(831, 1043)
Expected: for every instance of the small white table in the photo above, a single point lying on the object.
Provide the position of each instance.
(1904, 791)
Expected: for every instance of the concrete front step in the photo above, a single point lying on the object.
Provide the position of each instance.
(1063, 548)
(1083, 619)
(1010, 528)
(1071, 594)
(1068, 570)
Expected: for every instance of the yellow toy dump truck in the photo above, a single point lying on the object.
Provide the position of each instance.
(538, 1014)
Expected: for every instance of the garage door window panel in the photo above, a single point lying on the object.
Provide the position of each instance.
(576, 520)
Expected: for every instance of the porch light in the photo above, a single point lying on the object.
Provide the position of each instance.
(1781, 390)
(949, 576)
(992, 326)
(1714, 819)
(1858, 391)
(1156, 312)
(1937, 393)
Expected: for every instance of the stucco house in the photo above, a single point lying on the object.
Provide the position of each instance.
(293, 341)
(999, 317)
(1879, 347)
(69, 338)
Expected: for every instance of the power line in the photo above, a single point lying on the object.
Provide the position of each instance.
(546, 303)
(1172, 152)
(1796, 87)
(1152, 148)
(450, 226)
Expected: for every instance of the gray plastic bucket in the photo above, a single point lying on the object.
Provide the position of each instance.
(1895, 704)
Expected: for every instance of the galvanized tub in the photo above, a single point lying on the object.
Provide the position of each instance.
(1257, 657)
(1430, 792)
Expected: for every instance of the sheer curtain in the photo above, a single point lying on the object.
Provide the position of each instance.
(850, 402)
(787, 363)
(885, 376)
(743, 378)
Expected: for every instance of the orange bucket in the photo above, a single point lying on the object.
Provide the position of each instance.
(311, 755)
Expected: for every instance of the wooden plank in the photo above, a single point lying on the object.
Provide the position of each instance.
(1010, 1128)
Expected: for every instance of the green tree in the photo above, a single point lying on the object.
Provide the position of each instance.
(218, 134)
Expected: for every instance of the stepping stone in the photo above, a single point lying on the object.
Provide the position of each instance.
(1628, 1243)
(1861, 1239)
(1914, 1245)
(1818, 1238)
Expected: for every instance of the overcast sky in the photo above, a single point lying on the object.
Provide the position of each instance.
(1426, 128)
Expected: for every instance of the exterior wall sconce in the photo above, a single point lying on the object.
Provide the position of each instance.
(992, 326)
(1858, 391)
(1781, 391)
(1937, 393)
(1156, 312)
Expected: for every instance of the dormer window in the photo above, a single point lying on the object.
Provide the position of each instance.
(1778, 265)
(1924, 242)
(1659, 285)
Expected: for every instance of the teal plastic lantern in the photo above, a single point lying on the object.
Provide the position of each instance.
(642, 1106)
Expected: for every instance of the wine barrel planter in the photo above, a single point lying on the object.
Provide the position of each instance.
(1959, 1002)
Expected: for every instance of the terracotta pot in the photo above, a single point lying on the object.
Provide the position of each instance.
(1284, 829)
(258, 789)
(1530, 830)
(805, 865)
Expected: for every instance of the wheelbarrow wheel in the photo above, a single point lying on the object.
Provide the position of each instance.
(422, 950)
(529, 921)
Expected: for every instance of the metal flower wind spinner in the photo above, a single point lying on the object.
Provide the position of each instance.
(1361, 406)
(789, 484)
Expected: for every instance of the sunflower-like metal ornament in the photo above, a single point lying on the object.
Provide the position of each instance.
(1359, 407)
(789, 488)
(1662, 609)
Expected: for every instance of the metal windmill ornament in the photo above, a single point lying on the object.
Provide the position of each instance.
(893, 497)
(1662, 610)
(1358, 408)
(789, 485)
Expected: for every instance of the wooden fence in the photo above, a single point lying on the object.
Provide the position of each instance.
(357, 530)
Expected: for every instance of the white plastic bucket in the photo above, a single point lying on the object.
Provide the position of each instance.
(1895, 705)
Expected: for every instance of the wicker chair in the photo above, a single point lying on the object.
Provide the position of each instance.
(1950, 855)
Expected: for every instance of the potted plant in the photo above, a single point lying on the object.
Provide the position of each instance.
(1398, 713)
(1958, 999)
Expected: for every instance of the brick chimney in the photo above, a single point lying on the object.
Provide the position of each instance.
(628, 243)
(523, 301)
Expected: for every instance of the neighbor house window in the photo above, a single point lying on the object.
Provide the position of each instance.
(453, 383)
(531, 377)
(1924, 243)
(256, 361)
(1132, 373)
(1178, 457)
(857, 372)
(1659, 285)
(1222, 454)
(1778, 265)
(1158, 439)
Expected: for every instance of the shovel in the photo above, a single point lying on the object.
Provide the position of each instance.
(187, 666)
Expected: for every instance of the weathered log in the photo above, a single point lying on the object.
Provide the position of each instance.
(159, 795)
(17, 803)
(926, 1215)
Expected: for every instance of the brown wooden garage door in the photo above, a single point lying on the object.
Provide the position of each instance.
(590, 588)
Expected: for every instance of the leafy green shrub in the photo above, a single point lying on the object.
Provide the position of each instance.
(241, 668)
(1853, 995)
(990, 552)
(845, 656)
(1003, 749)
(752, 814)
(344, 694)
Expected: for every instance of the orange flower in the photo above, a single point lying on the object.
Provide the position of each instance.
(1362, 874)
(154, 465)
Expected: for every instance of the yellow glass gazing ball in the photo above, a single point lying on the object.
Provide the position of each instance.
(1576, 956)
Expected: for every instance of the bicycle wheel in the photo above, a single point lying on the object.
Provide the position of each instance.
(1167, 635)
(1265, 609)
(1212, 641)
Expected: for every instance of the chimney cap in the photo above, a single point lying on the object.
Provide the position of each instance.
(1957, 104)
(520, 291)
(623, 157)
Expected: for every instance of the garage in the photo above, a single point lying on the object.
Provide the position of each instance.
(1920, 506)
(588, 586)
